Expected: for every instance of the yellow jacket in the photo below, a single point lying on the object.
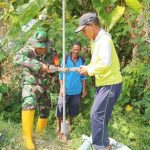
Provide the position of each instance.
(104, 63)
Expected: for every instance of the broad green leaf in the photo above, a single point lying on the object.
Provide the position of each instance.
(99, 4)
(86, 101)
(3, 88)
(115, 16)
(29, 10)
(19, 2)
(3, 5)
(13, 1)
(24, 14)
(2, 56)
(14, 18)
(107, 19)
(104, 17)
(135, 5)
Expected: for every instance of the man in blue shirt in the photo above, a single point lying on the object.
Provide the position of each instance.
(74, 86)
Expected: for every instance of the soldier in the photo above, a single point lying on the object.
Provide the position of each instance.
(35, 59)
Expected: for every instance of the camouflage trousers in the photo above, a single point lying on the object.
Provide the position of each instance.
(35, 96)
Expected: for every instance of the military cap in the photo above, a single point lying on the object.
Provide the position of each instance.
(41, 39)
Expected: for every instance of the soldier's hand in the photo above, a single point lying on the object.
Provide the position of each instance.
(44, 68)
(52, 69)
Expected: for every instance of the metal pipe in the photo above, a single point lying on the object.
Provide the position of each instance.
(64, 125)
(64, 92)
(87, 143)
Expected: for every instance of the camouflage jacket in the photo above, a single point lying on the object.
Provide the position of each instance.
(31, 62)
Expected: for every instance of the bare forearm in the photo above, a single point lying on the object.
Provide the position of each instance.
(84, 83)
(61, 83)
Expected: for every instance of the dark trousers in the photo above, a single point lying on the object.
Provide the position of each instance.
(104, 101)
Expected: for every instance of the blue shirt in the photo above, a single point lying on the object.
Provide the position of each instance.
(73, 83)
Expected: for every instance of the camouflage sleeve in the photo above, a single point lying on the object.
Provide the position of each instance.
(22, 59)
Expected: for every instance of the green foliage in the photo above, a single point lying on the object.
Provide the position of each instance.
(134, 92)
(129, 128)
(136, 74)
(130, 35)
(109, 13)
(13, 137)
(29, 10)
(114, 16)
(8, 129)
(54, 98)
(7, 11)
(3, 91)
(111, 18)
(121, 39)
(2, 56)
(56, 37)
(19, 2)
(73, 8)
(3, 88)
(24, 13)
(135, 5)
(10, 104)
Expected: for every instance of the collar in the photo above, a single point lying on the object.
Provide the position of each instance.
(100, 33)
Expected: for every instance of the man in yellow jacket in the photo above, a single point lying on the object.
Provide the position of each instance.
(104, 65)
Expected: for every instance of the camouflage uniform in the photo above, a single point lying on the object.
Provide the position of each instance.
(36, 86)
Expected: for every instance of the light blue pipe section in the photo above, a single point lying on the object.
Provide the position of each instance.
(87, 143)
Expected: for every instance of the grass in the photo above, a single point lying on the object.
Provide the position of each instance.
(126, 127)
(13, 138)
(11, 132)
